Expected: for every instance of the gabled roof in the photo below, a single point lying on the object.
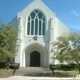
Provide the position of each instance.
(36, 4)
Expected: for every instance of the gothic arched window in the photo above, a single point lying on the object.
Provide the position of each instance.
(36, 23)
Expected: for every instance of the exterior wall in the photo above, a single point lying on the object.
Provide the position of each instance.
(43, 44)
(43, 40)
(61, 28)
(14, 23)
(36, 47)
(36, 4)
(57, 29)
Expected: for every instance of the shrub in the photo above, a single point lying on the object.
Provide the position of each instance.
(9, 65)
(3, 65)
(68, 67)
(63, 67)
(14, 66)
(53, 67)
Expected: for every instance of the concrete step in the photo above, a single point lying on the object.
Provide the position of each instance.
(33, 71)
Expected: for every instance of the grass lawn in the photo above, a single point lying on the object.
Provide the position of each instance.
(4, 73)
(60, 73)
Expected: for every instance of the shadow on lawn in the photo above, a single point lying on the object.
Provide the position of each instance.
(62, 74)
(39, 74)
(56, 74)
(42, 74)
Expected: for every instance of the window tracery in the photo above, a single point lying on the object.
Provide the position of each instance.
(36, 23)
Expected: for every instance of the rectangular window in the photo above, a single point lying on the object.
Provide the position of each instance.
(43, 28)
(32, 27)
(28, 29)
(36, 26)
(40, 27)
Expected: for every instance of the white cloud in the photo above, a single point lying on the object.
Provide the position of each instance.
(75, 13)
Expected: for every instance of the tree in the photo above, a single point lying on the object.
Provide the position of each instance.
(8, 41)
(67, 48)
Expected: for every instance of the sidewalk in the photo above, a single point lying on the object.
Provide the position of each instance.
(36, 78)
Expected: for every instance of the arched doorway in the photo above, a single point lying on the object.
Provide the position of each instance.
(35, 59)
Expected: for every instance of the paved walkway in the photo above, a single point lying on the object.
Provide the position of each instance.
(33, 71)
(36, 78)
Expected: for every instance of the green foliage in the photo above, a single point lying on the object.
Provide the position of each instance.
(14, 66)
(67, 48)
(3, 65)
(54, 67)
(64, 67)
(8, 41)
(61, 46)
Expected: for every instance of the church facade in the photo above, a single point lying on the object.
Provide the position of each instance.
(39, 28)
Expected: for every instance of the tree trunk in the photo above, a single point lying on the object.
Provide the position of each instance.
(79, 70)
(8, 59)
(78, 64)
(8, 63)
(53, 72)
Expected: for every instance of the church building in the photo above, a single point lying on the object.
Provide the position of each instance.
(39, 27)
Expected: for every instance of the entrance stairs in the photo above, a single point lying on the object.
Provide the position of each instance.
(33, 71)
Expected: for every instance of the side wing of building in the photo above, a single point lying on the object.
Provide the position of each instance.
(14, 23)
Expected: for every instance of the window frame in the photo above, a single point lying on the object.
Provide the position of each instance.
(38, 28)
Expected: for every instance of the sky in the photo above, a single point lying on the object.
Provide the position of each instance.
(67, 11)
